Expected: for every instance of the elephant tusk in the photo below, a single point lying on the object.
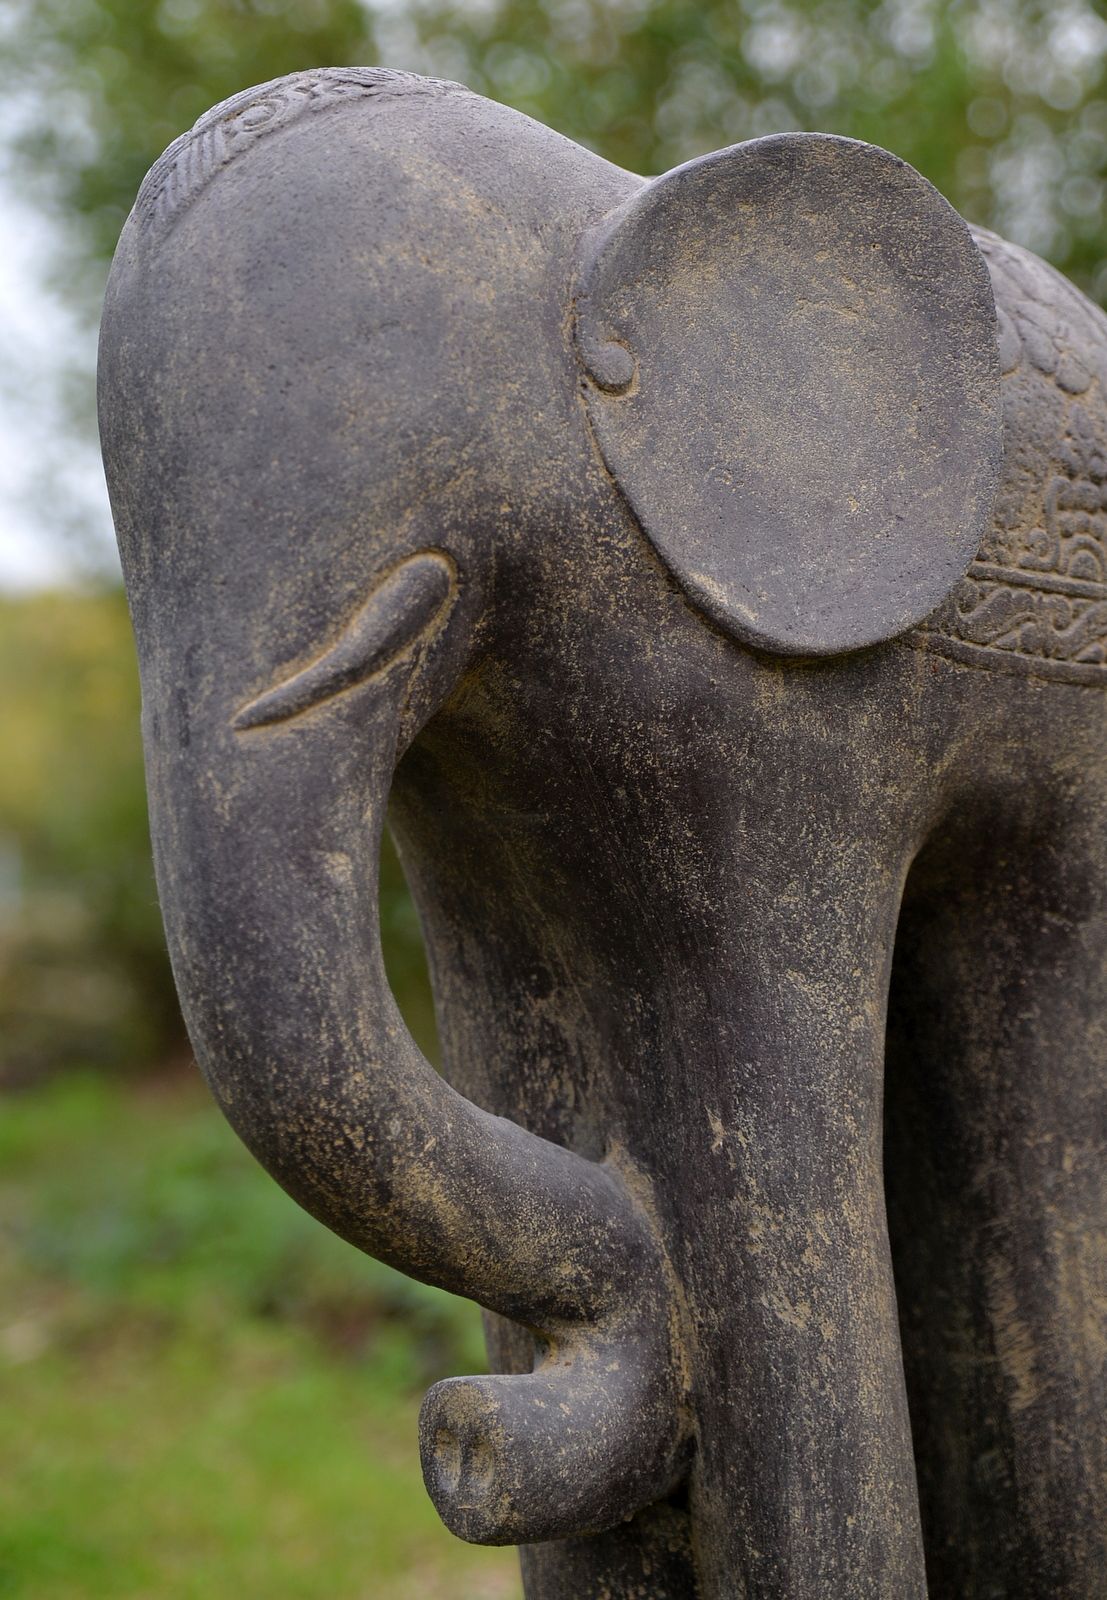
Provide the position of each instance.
(402, 609)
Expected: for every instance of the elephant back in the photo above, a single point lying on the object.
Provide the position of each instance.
(1035, 600)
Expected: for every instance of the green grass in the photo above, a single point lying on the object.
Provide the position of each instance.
(202, 1392)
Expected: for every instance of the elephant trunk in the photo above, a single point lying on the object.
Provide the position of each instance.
(283, 479)
(267, 832)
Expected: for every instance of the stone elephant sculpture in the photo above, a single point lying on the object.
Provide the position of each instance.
(717, 593)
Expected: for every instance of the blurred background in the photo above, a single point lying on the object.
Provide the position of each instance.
(201, 1392)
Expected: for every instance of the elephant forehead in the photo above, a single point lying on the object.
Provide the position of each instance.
(794, 381)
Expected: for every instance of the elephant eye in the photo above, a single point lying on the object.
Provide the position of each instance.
(402, 609)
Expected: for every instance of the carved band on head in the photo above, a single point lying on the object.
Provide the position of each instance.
(234, 125)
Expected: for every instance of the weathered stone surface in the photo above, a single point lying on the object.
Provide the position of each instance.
(456, 469)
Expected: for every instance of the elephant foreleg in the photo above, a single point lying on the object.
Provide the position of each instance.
(997, 1122)
(804, 1482)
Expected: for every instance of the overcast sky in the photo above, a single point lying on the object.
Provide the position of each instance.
(41, 487)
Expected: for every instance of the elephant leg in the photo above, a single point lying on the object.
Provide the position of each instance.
(803, 1484)
(650, 1556)
(997, 1195)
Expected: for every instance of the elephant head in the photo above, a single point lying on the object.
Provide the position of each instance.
(380, 363)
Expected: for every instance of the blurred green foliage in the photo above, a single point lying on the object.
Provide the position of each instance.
(202, 1391)
(84, 974)
(998, 102)
(146, 1203)
(83, 971)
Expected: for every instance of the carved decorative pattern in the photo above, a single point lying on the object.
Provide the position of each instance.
(1035, 600)
(228, 129)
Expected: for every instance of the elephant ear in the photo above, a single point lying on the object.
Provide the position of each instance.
(793, 376)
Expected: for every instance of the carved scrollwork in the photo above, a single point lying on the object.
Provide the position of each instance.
(232, 127)
(1035, 600)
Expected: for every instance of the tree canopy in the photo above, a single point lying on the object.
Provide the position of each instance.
(996, 101)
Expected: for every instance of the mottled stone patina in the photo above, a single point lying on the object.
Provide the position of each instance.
(716, 592)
